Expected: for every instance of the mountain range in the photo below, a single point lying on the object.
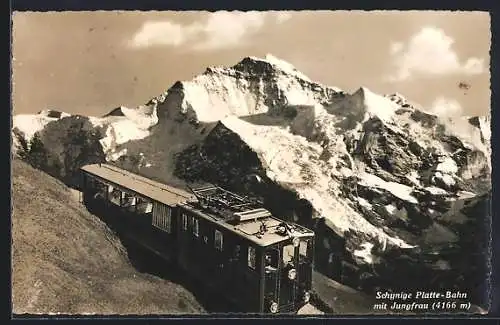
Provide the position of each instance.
(399, 197)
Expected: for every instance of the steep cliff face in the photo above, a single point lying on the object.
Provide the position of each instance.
(376, 176)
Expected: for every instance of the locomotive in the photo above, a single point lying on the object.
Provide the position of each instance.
(229, 242)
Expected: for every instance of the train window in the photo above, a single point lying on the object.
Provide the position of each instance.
(184, 221)
(271, 260)
(129, 201)
(251, 257)
(114, 195)
(143, 206)
(218, 240)
(303, 248)
(288, 254)
(100, 190)
(196, 227)
(162, 217)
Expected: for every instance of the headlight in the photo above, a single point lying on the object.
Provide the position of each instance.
(307, 296)
(273, 308)
(292, 274)
(296, 241)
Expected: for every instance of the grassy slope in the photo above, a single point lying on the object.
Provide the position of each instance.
(67, 261)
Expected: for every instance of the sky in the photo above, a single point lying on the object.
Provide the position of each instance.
(91, 62)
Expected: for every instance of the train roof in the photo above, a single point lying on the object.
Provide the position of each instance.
(251, 228)
(141, 185)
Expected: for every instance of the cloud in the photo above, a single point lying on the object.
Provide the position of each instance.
(445, 107)
(220, 30)
(225, 29)
(429, 52)
(161, 33)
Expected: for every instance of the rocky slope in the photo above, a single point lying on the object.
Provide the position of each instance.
(379, 179)
(66, 261)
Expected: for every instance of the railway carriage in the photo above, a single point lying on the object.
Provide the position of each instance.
(230, 242)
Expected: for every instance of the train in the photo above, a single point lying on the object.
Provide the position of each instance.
(227, 241)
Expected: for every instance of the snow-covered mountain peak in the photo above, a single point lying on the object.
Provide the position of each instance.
(277, 64)
(252, 66)
(252, 86)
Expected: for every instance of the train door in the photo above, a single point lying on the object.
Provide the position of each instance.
(252, 277)
(219, 257)
(183, 239)
(288, 277)
(305, 258)
(271, 277)
(227, 256)
(197, 256)
(234, 269)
